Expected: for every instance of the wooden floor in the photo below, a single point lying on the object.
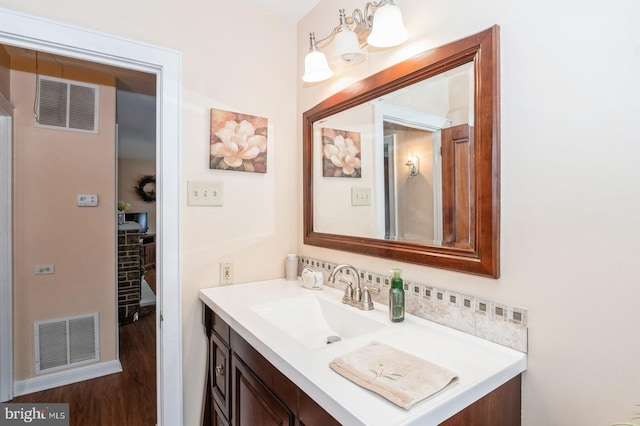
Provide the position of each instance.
(123, 399)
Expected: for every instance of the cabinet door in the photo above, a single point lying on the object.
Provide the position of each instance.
(149, 255)
(312, 414)
(500, 407)
(253, 403)
(218, 419)
(219, 373)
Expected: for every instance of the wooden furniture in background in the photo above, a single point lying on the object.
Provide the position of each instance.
(148, 251)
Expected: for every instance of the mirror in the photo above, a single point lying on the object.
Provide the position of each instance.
(405, 164)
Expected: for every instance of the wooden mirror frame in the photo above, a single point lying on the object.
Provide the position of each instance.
(483, 258)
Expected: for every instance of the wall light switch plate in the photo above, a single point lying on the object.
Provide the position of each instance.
(204, 193)
(360, 196)
(87, 200)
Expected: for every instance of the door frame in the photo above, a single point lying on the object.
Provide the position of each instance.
(6, 289)
(417, 120)
(60, 39)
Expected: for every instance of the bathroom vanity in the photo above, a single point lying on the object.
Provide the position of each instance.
(265, 366)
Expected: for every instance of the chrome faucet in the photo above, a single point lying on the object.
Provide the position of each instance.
(353, 296)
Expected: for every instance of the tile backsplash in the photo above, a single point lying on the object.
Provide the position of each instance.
(497, 322)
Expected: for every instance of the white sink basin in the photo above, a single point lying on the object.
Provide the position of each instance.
(312, 320)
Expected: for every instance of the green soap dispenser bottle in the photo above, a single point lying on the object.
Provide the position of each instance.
(396, 297)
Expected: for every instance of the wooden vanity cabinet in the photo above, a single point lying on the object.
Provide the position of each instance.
(253, 402)
(249, 391)
(244, 389)
(218, 389)
(219, 373)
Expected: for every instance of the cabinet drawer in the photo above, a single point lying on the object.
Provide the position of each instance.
(219, 373)
(212, 321)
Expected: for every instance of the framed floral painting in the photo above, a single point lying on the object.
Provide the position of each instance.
(238, 142)
(340, 153)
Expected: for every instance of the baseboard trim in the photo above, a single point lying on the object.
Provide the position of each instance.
(62, 378)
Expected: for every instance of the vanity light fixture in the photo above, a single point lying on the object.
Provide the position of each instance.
(380, 25)
(414, 165)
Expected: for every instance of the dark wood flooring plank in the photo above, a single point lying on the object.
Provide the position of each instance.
(124, 399)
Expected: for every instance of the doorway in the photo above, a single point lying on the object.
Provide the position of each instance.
(33, 33)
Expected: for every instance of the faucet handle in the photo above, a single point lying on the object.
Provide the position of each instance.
(366, 304)
(348, 294)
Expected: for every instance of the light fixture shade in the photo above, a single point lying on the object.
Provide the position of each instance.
(388, 28)
(316, 67)
(346, 48)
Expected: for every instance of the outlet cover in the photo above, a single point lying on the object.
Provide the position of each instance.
(226, 273)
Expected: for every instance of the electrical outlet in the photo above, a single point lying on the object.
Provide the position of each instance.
(226, 273)
(45, 269)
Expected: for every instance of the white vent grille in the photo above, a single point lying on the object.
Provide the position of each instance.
(66, 342)
(67, 105)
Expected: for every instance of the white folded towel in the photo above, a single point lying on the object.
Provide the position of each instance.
(402, 378)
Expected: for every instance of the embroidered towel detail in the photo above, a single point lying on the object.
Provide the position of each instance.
(402, 378)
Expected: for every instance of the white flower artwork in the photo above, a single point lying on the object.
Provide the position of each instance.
(238, 142)
(340, 153)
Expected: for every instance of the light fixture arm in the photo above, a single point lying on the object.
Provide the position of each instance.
(359, 22)
(352, 34)
(344, 22)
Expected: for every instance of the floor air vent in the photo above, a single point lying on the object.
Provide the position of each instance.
(67, 105)
(66, 342)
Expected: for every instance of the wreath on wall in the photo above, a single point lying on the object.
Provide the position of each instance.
(146, 188)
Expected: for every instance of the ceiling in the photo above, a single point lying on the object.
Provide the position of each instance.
(293, 10)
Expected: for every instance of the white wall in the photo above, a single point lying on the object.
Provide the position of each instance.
(232, 57)
(339, 216)
(570, 188)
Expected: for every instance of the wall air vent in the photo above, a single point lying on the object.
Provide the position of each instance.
(66, 342)
(67, 105)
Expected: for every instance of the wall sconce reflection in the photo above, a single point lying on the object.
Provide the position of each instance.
(414, 165)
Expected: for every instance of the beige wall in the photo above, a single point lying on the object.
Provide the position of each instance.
(570, 188)
(50, 168)
(415, 193)
(129, 172)
(339, 216)
(232, 57)
(569, 180)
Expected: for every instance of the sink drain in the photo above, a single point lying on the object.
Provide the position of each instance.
(333, 339)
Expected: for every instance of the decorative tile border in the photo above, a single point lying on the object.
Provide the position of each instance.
(496, 322)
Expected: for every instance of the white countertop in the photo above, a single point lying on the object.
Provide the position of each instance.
(481, 366)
